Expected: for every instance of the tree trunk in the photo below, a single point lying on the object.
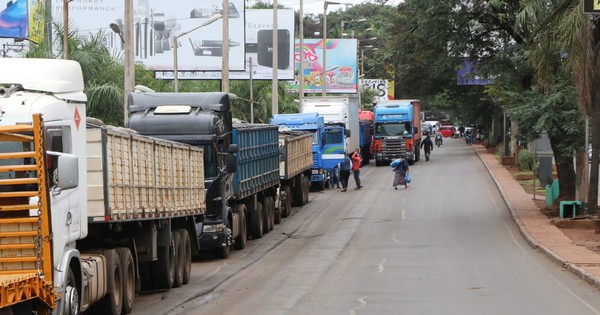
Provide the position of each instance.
(565, 170)
(593, 192)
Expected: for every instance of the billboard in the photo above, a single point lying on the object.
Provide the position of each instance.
(259, 49)
(381, 86)
(341, 65)
(467, 75)
(22, 19)
(156, 22)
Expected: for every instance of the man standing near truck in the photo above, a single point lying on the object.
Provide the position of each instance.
(356, 160)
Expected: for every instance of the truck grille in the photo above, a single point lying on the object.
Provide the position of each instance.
(393, 148)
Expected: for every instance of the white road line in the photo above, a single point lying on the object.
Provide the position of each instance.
(403, 214)
(395, 238)
(363, 303)
(380, 267)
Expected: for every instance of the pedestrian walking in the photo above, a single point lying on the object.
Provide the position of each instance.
(400, 172)
(427, 145)
(356, 160)
(334, 178)
(345, 168)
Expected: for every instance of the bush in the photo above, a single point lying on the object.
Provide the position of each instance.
(526, 161)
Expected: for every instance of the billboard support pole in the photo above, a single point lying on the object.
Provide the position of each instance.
(275, 80)
(301, 72)
(225, 55)
(65, 29)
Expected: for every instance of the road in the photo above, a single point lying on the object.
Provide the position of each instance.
(446, 245)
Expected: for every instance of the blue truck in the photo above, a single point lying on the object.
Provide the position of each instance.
(397, 134)
(241, 162)
(328, 142)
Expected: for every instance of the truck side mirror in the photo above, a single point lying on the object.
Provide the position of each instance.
(232, 148)
(66, 174)
(230, 163)
(347, 133)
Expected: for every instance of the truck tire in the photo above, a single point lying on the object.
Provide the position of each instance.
(298, 190)
(163, 270)
(256, 221)
(72, 296)
(186, 246)
(286, 201)
(223, 251)
(128, 276)
(306, 189)
(241, 240)
(112, 302)
(178, 280)
(270, 210)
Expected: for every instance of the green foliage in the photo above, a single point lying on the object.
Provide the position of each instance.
(526, 161)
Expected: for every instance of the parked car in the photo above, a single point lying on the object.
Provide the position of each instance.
(427, 128)
(447, 131)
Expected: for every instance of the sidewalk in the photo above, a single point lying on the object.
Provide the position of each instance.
(536, 227)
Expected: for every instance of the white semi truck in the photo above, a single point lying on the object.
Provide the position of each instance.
(89, 214)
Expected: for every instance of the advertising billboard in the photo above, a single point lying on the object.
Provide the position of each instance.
(22, 19)
(259, 49)
(341, 66)
(467, 75)
(156, 22)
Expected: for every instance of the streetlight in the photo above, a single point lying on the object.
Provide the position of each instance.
(324, 76)
(128, 60)
(351, 21)
(210, 20)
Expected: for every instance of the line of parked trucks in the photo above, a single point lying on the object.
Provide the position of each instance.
(90, 214)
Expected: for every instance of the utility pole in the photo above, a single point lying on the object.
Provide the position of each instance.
(225, 55)
(275, 80)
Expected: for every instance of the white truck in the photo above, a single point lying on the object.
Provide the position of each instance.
(337, 110)
(89, 214)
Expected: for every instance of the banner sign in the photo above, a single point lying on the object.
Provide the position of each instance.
(467, 75)
(157, 22)
(381, 86)
(23, 19)
(259, 49)
(591, 6)
(341, 66)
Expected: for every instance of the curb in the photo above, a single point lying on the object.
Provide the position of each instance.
(576, 270)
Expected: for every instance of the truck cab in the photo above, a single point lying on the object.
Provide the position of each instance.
(397, 133)
(328, 142)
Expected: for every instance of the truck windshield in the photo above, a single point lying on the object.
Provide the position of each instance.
(315, 137)
(394, 129)
(333, 136)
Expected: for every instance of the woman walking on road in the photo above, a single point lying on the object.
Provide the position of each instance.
(400, 172)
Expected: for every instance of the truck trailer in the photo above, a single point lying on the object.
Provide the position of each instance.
(90, 214)
(240, 200)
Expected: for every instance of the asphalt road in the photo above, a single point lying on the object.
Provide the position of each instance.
(446, 245)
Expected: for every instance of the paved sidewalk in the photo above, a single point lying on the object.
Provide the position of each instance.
(536, 227)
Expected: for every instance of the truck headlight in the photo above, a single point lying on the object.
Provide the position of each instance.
(214, 228)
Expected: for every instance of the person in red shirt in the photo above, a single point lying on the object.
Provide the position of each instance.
(356, 161)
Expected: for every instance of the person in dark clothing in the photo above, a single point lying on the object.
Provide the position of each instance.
(427, 145)
(345, 168)
(461, 129)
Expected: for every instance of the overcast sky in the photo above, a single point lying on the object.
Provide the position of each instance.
(316, 6)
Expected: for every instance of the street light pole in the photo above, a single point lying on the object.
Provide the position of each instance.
(301, 72)
(128, 62)
(324, 76)
(225, 48)
(275, 80)
(66, 29)
(210, 20)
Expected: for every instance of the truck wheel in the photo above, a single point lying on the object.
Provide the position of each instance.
(128, 276)
(306, 189)
(256, 221)
(112, 303)
(223, 251)
(178, 262)
(163, 270)
(72, 297)
(186, 247)
(270, 210)
(298, 190)
(241, 239)
(286, 202)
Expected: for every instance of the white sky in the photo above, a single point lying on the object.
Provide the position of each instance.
(316, 6)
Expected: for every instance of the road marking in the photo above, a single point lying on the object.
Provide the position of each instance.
(564, 287)
(363, 303)
(395, 238)
(380, 265)
(403, 214)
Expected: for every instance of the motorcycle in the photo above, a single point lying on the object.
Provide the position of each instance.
(438, 140)
(468, 139)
